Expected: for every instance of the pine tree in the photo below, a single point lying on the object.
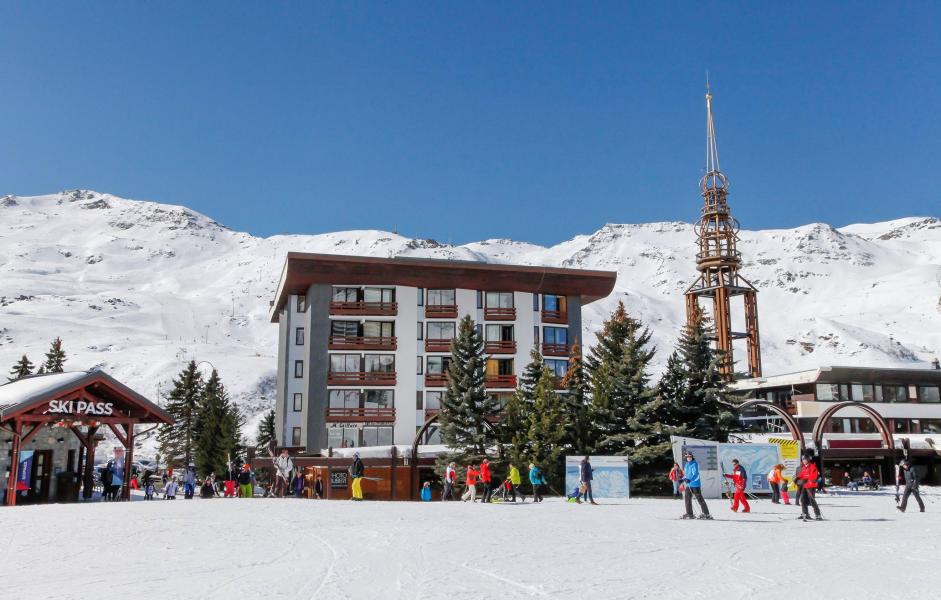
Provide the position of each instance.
(55, 358)
(466, 409)
(546, 428)
(266, 432)
(216, 428)
(576, 405)
(176, 440)
(513, 427)
(22, 368)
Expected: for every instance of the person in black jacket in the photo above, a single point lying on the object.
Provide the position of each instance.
(585, 476)
(911, 486)
(356, 472)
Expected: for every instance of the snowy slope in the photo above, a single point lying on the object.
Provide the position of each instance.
(138, 288)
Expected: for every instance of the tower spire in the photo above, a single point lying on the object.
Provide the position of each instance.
(712, 149)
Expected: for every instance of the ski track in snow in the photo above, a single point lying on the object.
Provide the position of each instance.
(333, 550)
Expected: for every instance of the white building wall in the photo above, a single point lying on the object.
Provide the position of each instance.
(294, 385)
(406, 363)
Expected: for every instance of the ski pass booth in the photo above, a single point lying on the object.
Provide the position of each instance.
(50, 425)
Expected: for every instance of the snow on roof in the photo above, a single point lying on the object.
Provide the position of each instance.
(35, 386)
(777, 380)
(424, 451)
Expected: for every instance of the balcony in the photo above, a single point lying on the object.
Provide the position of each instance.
(500, 347)
(500, 381)
(441, 311)
(558, 383)
(555, 349)
(361, 378)
(437, 345)
(436, 380)
(378, 309)
(499, 314)
(557, 317)
(430, 412)
(358, 342)
(360, 415)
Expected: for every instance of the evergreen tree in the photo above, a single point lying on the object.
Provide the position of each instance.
(513, 427)
(55, 358)
(546, 428)
(216, 428)
(576, 405)
(176, 440)
(466, 409)
(22, 368)
(266, 433)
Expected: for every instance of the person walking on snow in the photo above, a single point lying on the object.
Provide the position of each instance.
(450, 478)
(189, 482)
(739, 479)
(774, 480)
(356, 472)
(693, 488)
(169, 490)
(807, 481)
(245, 482)
(911, 487)
(230, 481)
(676, 478)
(537, 480)
(585, 475)
(471, 480)
(486, 477)
(515, 481)
(784, 485)
(283, 466)
(426, 492)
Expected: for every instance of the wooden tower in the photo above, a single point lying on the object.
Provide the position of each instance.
(718, 262)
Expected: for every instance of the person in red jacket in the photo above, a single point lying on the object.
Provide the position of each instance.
(738, 478)
(676, 478)
(487, 479)
(471, 492)
(807, 480)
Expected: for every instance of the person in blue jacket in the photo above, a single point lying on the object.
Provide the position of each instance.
(426, 492)
(538, 480)
(693, 488)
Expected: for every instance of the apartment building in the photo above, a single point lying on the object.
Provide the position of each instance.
(364, 343)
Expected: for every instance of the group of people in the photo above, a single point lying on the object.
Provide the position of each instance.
(481, 475)
(808, 480)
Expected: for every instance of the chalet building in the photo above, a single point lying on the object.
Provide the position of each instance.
(871, 416)
(364, 343)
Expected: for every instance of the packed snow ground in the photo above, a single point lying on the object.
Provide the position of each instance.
(300, 549)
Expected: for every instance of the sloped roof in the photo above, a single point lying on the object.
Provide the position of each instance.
(25, 393)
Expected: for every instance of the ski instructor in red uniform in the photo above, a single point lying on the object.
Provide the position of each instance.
(738, 478)
(807, 480)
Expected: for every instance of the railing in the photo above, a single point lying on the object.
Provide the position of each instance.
(364, 308)
(499, 314)
(358, 342)
(361, 377)
(555, 349)
(501, 381)
(441, 311)
(500, 347)
(357, 415)
(437, 345)
(436, 380)
(430, 412)
(559, 317)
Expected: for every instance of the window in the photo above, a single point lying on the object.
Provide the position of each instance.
(372, 294)
(480, 299)
(298, 369)
(378, 399)
(555, 335)
(298, 402)
(299, 336)
(344, 363)
(377, 436)
(441, 298)
(418, 400)
(553, 303)
(499, 333)
(421, 297)
(828, 392)
(863, 426)
(438, 365)
(421, 366)
(296, 436)
(500, 398)
(433, 400)
(378, 329)
(440, 331)
(535, 335)
(301, 304)
(345, 294)
(343, 437)
(931, 425)
(535, 302)
(863, 392)
(379, 363)
(499, 299)
(929, 393)
(499, 366)
(344, 328)
(901, 425)
(894, 393)
(558, 367)
(344, 398)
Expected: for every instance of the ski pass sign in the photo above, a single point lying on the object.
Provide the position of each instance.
(80, 407)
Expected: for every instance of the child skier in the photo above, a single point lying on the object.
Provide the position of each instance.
(169, 491)
(739, 478)
(784, 496)
(149, 490)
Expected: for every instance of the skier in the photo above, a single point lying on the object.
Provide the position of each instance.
(585, 474)
(911, 487)
(245, 482)
(774, 480)
(450, 477)
(426, 492)
(739, 478)
(169, 490)
(693, 488)
(515, 481)
(784, 485)
(229, 482)
(207, 490)
(189, 482)
(537, 480)
(283, 466)
(676, 477)
(356, 472)
(487, 479)
(149, 490)
(471, 480)
(807, 482)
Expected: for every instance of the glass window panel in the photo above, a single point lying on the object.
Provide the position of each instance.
(929, 394)
(440, 331)
(554, 335)
(827, 392)
(931, 425)
(372, 294)
(499, 299)
(379, 363)
(344, 398)
(877, 392)
(433, 400)
(301, 304)
(421, 296)
(493, 333)
(344, 363)
(550, 302)
(334, 437)
(298, 402)
(350, 438)
(441, 297)
(298, 368)
(438, 365)
(378, 329)
(370, 436)
(558, 367)
(385, 436)
(299, 336)
(378, 399)
(296, 436)
(345, 294)
(344, 328)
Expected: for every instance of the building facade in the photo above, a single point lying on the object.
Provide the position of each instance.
(364, 343)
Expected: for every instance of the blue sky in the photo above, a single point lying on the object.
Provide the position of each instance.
(532, 121)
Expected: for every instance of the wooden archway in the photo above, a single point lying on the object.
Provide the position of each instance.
(825, 416)
(792, 426)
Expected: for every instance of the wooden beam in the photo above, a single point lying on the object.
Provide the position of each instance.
(117, 433)
(81, 437)
(32, 433)
(14, 464)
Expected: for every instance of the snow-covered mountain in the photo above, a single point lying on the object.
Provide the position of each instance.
(138, 288)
